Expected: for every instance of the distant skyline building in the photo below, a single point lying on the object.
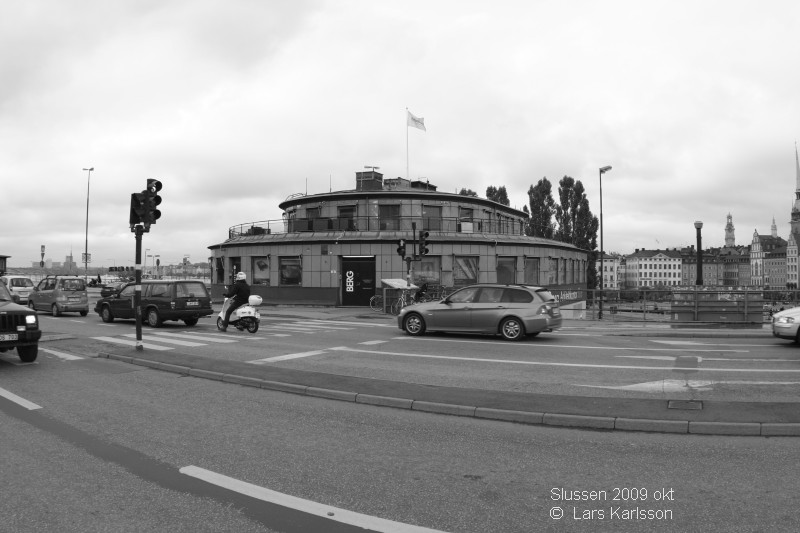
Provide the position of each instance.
(730, 237)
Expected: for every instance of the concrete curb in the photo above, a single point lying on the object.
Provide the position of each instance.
(762, 429)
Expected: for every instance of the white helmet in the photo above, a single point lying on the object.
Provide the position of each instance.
(241, 276)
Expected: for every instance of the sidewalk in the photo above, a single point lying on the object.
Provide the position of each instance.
(708, 417)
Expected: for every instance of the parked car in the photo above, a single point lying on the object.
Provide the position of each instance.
(19, 287)
(60, 294)
(112, 288)
(161, 300)
(512, 311)
(19, 327)
(785, 324)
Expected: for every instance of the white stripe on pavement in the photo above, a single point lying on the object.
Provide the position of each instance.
(61, 355)
(126, 342)
(335, 514)
(195, 337)
(168, 340)
(287, 357)
(370, 324)
(19, 400)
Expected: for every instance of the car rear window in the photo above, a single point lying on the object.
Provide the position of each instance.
(21, 282)
(191, 289)
(545, 295)
(73, 285)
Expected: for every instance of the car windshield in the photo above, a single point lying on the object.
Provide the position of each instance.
(5, 296)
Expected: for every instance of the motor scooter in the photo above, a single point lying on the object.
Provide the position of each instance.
(244, 317)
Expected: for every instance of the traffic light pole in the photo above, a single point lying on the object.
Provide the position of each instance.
(137, 295)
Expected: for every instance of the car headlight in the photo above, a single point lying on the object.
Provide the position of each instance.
(785, 320)
(30, 320)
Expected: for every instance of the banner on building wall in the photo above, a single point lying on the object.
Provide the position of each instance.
(568, 294)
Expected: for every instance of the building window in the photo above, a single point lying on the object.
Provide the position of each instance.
(389, 217)
(432, 217)
(260, 270)
(428, 271)
(506, 270)
(465, 270)
(346, 214)
(465, 220)
(532, 270)
(291, 270)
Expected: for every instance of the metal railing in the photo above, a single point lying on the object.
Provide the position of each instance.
(375, 223)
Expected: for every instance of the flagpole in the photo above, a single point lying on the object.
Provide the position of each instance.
(406, 144)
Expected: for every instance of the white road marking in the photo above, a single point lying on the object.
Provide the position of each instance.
(168, 340)
(286, 357)
(194, 337)
(335, 514)
(574, 365)
(61, 355)
(571, 347)
(344, 322)
(316, 326)
(738, 360)
(19, 400)
(126, 342)
(678, 385)
(695, 343)
(373, 342)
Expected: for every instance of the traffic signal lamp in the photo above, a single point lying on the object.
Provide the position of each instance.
(423, 242)
(152, 201)
(137, 208)
(401, 248)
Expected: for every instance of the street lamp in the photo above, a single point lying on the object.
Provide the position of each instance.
(86, 243)
(699, 226)
(603, 170)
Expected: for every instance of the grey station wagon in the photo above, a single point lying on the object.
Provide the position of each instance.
(186, 300)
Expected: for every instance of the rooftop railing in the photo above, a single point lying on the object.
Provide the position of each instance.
(445, 225)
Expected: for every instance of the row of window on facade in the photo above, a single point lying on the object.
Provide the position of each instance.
(537, 271)
(389, 219)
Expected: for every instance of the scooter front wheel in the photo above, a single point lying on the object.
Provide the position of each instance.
(219, 323)
(252, 325)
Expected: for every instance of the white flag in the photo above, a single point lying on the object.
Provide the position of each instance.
(416, 122)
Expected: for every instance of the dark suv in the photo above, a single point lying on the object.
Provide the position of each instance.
(19, 328)
(184, 299)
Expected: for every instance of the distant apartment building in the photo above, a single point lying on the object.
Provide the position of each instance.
(609, 268)
(653, 268)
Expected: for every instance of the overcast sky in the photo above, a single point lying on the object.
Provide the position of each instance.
(235, 105)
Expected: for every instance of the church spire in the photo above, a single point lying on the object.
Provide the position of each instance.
(730, 239)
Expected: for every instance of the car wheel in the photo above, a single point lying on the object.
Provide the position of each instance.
(512, 329)
(56, 310)
(31, 305)
(414, 324)
(153, 320)
(252, 325)
(27, 354)
(84, 313)
(106, 315)
(190, 321)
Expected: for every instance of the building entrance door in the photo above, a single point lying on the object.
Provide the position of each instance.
(358, 280)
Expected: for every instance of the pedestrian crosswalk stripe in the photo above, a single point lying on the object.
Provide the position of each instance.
(168, 340)
(287, 357)
(368, 324)
(195, 337)
(61, 355)
(127, 342)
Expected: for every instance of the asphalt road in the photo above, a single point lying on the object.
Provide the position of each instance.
(111, 447)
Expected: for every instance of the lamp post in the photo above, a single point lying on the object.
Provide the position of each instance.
(86, 242)
(699, 226)
(603, 170)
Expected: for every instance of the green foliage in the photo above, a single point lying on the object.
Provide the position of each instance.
(467, 192)
(497, 195)
(540, 198)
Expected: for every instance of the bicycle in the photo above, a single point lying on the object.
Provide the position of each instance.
(404, 300)
(376, 303)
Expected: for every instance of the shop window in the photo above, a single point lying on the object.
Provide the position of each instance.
(291, 271)
(465, 270)
(506, 270)
(260, 270)
(532, 271)
(428, 270)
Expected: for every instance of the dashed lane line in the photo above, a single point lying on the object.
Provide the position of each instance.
(286, 357)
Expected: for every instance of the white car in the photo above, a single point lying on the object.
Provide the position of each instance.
(785, 324)
(19, 287)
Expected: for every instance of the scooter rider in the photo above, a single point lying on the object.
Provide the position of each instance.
(238, 293)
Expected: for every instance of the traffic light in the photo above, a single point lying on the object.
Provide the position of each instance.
(151, 202)
(401, 248)
(137, 208)
(423, 242)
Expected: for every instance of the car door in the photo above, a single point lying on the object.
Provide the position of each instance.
(42, 296)
(122, 303)
(453, 313)
(487, 310)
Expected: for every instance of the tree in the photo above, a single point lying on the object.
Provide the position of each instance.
(540, 198)
(497, 195)
(467, 192)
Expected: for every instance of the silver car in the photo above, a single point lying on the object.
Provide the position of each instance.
(513, 311)
(785, 324)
